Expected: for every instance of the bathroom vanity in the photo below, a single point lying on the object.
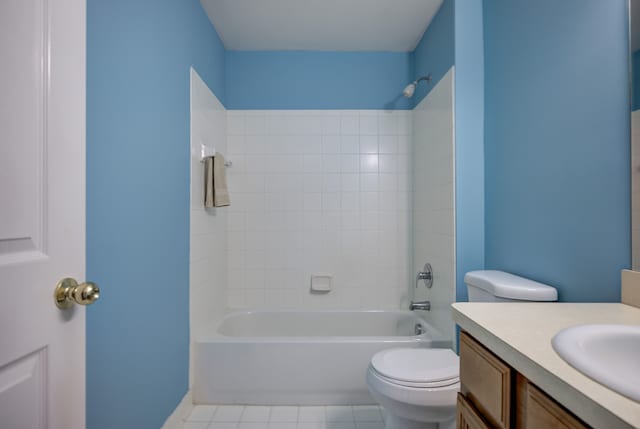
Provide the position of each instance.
(493, 394)
(512, 378)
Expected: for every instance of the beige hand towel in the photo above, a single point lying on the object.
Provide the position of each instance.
(208, 182)
(220, 191)
(215, 182)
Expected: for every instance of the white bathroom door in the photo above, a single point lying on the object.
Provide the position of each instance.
(42, 212)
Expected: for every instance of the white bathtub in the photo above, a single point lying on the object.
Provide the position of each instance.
(294, 357)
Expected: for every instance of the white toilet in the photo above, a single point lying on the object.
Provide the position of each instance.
(417, 387)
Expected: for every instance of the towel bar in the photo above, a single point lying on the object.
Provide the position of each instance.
(207, 152)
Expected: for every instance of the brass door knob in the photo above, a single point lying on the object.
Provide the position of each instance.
(69, 292)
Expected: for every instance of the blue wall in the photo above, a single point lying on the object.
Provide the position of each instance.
(635, 74)
(557, 143)
(138, 59)
(435, 51)
(317, 80)
(455, 36)
(469, 123)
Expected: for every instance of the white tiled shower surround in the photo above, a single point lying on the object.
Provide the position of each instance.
(324, 192)
(319, 192)
(433, 202)
(208, 234)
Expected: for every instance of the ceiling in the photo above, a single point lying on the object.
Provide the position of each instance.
(323, 25)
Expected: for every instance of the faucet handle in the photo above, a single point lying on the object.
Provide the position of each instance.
(426, 275)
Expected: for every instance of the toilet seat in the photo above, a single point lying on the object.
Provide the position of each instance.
(417, 385)
(417, 368)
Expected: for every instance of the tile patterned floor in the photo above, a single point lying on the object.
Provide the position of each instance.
(258, 417)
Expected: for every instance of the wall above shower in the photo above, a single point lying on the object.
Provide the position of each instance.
(329, 25)
(317, 80)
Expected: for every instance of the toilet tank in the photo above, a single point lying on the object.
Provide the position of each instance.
(498, 286)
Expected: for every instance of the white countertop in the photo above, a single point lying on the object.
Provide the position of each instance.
(520, 334)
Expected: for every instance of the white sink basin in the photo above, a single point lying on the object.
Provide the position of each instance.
(609, 354)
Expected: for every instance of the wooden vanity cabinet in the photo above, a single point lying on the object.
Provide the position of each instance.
(486, 382)
(468, 417)
(537, 410)
(494, 395)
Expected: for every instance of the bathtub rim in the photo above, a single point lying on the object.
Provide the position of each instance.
(426, 338)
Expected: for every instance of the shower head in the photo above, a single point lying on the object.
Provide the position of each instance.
(410, 89)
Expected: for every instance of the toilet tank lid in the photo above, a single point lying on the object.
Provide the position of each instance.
(505, 285)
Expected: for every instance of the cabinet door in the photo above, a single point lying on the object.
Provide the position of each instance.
(468, 417)
(486, 382)
(536, 410)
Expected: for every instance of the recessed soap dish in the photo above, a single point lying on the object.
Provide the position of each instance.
(321, 283)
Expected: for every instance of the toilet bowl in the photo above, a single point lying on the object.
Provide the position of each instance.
(416, 387)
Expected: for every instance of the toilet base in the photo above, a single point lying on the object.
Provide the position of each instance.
(395, 422)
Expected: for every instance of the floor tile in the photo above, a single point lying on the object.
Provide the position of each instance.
(285, 417)
(311, 425)
(282, 425)
(195, 425)
(252, 425)
(367, 413)
(255, 414)
(284, 414)
(228, 413)
(339, 413)
(202, 413)
(223, 425)
(311, 414)
(369, 425)
(340, 425)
